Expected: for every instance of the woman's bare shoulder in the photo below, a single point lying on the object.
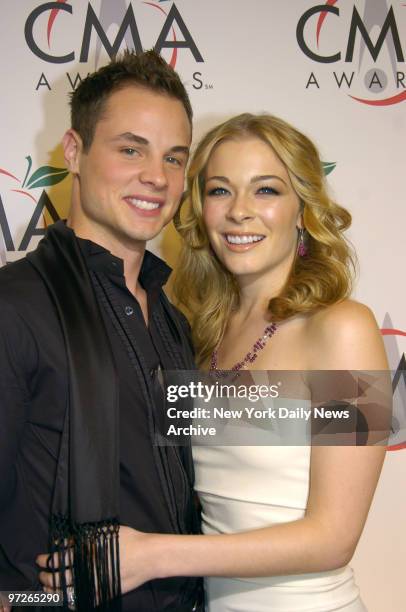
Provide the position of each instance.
(346, 336)
(347, 314)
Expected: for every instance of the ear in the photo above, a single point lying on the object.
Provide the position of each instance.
(300, 222)
(72, 149)
(299, 219)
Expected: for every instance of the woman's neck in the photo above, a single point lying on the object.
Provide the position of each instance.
(255, 295)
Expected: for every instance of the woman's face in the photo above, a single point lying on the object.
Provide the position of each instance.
(250, 209)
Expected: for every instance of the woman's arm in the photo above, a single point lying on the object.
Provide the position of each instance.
(343, 480)
(342, 484)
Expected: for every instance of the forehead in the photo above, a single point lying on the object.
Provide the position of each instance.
(249, 151)
(134, 107)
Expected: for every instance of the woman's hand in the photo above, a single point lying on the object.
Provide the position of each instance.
(137, 563)
(4, 607)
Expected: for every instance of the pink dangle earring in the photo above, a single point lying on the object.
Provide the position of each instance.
(301, 248)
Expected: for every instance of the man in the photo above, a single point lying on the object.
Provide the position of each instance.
(84, 332)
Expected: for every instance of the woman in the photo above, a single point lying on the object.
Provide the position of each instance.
(264, 257)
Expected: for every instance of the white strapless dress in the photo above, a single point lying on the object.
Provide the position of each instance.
(250, 487)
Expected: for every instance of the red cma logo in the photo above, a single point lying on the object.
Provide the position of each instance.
(128, 31)
(376, 16)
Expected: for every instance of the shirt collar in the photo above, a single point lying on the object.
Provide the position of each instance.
(154, 271)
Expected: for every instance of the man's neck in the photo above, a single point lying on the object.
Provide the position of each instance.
(132, 253)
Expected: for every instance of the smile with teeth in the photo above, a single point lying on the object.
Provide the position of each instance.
(143, 204)
(244, 239)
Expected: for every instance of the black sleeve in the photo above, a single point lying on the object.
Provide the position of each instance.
(18, 356)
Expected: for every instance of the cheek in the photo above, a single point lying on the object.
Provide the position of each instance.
(177, 184)
(211, 216)
(271, 215)
(104, 175)
(281, 217)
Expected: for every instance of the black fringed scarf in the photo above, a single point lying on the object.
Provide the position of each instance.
(86, 495)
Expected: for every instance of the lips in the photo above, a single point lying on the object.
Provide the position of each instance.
(241, 242)
(146, 205)
(243, 238)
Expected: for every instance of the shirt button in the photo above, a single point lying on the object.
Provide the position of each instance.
(128, 310)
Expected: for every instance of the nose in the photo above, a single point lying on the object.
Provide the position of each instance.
(240, 209)
(153, 173)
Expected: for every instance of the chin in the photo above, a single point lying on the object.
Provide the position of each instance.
(143, 235)
(240, 264)
(242, 270)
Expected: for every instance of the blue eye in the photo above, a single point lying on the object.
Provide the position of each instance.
(129, 151)
(217, 191)
(267, 190)
(174, 160)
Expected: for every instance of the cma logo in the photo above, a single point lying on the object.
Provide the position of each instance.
(127, 31)
(357, 25)
(25, 186)
(365, 38)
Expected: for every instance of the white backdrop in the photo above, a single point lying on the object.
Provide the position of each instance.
(338, 74)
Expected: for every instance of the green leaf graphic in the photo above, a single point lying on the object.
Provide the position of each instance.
(29, 164)
(46, 176)
(328, 167)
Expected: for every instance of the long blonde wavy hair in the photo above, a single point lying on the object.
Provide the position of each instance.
(207, 290)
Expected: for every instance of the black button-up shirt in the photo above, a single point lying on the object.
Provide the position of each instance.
(155, 482)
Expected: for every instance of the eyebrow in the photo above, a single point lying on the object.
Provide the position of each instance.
(134, 138)
(266, 177)
(129, 136)
(255, 179)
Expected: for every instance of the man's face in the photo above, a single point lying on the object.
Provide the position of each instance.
(131, 179)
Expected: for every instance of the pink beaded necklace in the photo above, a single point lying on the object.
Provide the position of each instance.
(251, 356)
